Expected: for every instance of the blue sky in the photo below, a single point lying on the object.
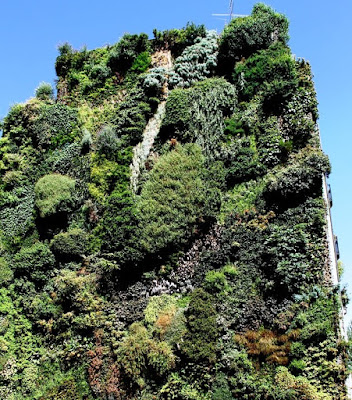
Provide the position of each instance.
(320, 32)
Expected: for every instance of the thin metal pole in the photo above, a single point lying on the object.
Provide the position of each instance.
(231, 9)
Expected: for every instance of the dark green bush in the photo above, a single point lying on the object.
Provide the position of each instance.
(177, 115)
(69, 59)
(272, 71)
(54, 126)
(16, 124)
(300, 178)
(241, 161)
(70, 245)
(63, 61)
(36, 262)
(177, 40)
(125, 52)
(199, 343)
(233, 128)
(244, 36)
(131, 117)
(118, 229)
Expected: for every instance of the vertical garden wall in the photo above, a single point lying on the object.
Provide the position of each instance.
(206, 276)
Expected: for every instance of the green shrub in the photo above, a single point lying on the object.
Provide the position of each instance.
(6, 273)
(35, 261)
(196, 63)
(141, 63)
(291, 388)
(297, 366)
(54, 125)
(221, 389)
(44, 92)
(125, 52)
(197, 114)
(272, 148)
(131, 117)
(301, 177)
(54, 193)
(244, 36)
(266, 70)
(172, 200)
(242, 198)
(70, 245)
(241, 160)
(139, 353)
(200, 339)
(177, 40)
(299, 117)
(65, 389)
(76, 294)
(107, 142)
(177, 114)
(177, 387)
(295, 257)
(17, 216)
(118, 228)
(64, 60)
(16, 124)
(216, 282)
(99, 73)
(158, 305)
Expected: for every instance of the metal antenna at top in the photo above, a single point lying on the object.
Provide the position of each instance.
(230, 14)
(231, 9)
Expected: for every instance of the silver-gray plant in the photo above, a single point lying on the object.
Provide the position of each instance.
(197, 62)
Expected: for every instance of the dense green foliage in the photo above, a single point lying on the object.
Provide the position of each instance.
(54, 194)
(172, 200)
(245, 36)
(177, 40)
(162, 226)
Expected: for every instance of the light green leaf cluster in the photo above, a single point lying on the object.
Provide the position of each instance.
(54, 193)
